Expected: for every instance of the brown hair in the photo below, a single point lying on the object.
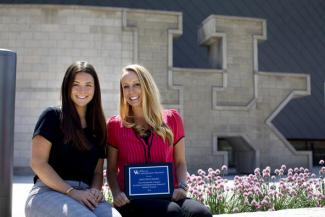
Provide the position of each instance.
(70, 121)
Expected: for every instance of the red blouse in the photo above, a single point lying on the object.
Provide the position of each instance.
(133, 149)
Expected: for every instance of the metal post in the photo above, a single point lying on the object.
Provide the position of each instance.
(7, 115)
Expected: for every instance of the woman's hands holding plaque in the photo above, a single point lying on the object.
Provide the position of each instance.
(120, 199)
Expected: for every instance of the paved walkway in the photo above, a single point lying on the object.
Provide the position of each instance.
(22, 185)
(20, 190)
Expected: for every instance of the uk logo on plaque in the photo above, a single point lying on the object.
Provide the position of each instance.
(148, 180)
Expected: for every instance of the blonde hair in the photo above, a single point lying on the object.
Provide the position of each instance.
(151, 106)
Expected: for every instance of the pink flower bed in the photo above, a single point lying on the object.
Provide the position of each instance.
(261, 191)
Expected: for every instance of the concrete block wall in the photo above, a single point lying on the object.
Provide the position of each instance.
(233, 101)
(48, 38)
(236, 101)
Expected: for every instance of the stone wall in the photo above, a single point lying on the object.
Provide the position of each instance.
(233, 101)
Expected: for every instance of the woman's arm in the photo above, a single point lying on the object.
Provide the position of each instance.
(40, 155)
(181, 169)
(97, 182)
(119, 198)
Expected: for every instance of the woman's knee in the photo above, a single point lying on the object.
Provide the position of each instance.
(193, 208)
(174, 210)
(54, 204)
(104, 209)
(202, 212)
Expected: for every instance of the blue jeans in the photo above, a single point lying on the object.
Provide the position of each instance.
(43, 201)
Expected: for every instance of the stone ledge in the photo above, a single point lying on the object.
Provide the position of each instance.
(303, 212)
(23, 171)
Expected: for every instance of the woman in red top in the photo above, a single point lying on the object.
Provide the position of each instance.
(145, 133)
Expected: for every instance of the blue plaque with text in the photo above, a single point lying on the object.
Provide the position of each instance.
(149, 180)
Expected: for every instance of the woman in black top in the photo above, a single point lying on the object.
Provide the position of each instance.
(68, 151)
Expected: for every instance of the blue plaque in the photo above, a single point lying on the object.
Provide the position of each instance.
(148, 180)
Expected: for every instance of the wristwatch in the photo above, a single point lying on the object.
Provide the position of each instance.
(183, 186)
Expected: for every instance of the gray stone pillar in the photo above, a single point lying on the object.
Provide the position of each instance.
(7, 115)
